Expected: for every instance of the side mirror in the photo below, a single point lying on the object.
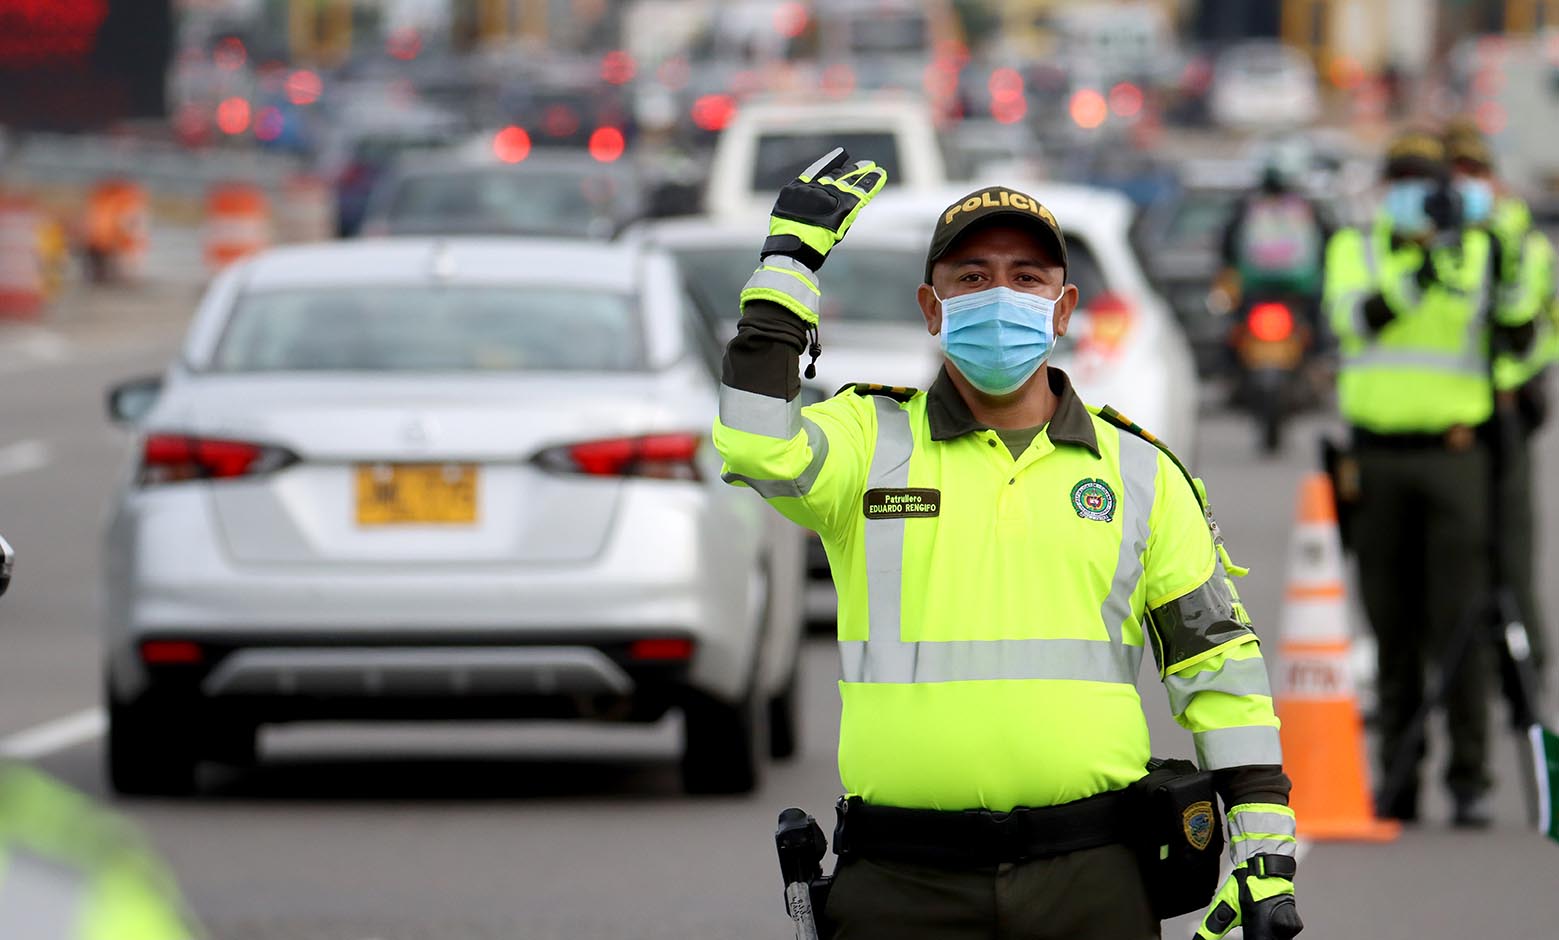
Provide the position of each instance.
(128, 402)
(7, 559)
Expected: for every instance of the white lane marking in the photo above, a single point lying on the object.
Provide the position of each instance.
(57, 735)
(33, 346)
(24, 457)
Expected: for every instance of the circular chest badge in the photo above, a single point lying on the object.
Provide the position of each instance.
(1094, 500)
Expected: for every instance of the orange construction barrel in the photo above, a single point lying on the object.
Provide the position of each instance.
(117, 230)
(238, 223)
(21, 267)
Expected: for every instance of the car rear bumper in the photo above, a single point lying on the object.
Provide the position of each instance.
(322, 680)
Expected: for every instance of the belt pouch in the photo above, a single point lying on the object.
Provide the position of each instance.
(1179, 836)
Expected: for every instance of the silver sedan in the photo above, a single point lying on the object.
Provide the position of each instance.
(418, 478)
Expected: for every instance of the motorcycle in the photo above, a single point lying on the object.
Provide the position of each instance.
(1272, 343)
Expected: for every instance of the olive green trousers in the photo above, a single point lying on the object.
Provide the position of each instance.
(1095, 894)
(1421, 537)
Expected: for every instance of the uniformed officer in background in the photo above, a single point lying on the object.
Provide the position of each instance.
(1409, 298)
(1526, 292)
(1002, 557)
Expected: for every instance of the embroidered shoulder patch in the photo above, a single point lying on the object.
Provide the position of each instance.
(1093, 499)
(1198, 823)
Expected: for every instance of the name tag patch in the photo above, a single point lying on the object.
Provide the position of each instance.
(911, 503)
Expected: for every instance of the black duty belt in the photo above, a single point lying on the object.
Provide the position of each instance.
(979, 838)
(1456, 439)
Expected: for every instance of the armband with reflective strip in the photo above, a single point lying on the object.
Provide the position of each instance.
(787, 282)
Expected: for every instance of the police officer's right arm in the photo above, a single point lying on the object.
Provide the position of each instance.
(811, 467)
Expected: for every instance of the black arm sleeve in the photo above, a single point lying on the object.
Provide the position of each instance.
(765, 354)
(1252, 783)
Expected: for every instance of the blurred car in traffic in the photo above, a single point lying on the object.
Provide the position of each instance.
(1262, 83)
(364, 144)
(434, 479)
(1179, 237)
(557, 192)
(768, 143)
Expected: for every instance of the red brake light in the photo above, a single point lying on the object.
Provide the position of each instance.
(607, 144)
(713, 112)
(512, 144)
(1270, 322)
(661, 648)
(656, 456)
(170, 458)
(1109, 321)
(171, 653)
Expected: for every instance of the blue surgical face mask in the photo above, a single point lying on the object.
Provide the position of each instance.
(998, 337)
(1477, 198)
(1405, 206)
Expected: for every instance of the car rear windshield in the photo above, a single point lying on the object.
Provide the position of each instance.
(1201, 217)
(860, 285)
(431, 329)
(522, 201)
(783, 155)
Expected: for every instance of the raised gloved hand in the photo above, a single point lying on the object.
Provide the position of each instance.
(813, 212)
(1259, 893)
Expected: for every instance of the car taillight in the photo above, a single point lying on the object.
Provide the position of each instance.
(657, 456)
(661, 649)
(170, 458)
(1109, 322)
(1270, 322)
(171, 653)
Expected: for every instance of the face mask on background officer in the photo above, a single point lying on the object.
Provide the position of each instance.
(998, 301)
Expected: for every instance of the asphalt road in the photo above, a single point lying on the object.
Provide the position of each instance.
(542, 832)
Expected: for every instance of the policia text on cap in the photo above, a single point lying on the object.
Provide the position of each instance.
(989, 641)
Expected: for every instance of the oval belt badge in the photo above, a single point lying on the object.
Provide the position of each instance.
(1093, 499)
(1198, 823)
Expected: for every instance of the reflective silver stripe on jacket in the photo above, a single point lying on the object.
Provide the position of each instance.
(1139, 473)
(789, 277)
(759, 414)
(1253, 832)
(1237, 677)
(39, 898)
(799, 486)
(1222, 748)
(886, 658)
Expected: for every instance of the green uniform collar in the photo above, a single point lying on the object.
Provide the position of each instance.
(950, 416)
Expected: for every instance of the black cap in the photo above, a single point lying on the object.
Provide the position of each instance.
(994, 202)
(1415, 153)
(1465, 143)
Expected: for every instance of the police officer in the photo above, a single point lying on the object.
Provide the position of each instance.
(1409, 299)
(1002, 556)
(1526, 292)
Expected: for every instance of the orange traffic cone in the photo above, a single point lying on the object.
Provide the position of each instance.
(1323, 735)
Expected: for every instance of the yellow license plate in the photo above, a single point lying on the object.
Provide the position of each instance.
(1283, 354)
(416, 493)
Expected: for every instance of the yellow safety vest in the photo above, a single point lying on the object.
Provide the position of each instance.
(1427, 370)
(993, 611)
